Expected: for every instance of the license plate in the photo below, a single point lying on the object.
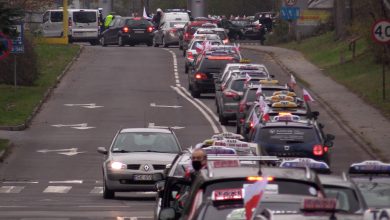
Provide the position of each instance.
(139, 32)
(142, 177)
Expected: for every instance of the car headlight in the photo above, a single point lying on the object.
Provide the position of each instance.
(117, 165)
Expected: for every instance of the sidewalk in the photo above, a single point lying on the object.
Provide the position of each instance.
(365, 124)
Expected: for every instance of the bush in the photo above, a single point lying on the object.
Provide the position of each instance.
(26, 69)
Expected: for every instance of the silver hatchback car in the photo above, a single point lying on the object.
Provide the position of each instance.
(136, 159)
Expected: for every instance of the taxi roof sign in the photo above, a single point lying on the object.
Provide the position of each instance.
(269, 81)
(306, 162)
(370, 167)
(227, 194)
(225, 163)
(219, 150)
(281, 97)
(285, 92)
(227, 135)
(284, 104)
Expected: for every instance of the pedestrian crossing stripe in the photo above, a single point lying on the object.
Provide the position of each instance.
(97, 190)
(57, 189)
(11, 189)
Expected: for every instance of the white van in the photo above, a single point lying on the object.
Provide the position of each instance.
(83, 25)
(175, 16)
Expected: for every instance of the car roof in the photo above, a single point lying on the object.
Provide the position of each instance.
(335, 180)
(155, 130)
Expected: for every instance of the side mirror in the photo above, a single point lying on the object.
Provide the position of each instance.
(102, 150)
(167, 214)
(160, 185)
(330, 137)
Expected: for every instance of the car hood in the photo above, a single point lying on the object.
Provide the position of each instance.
(164, 158)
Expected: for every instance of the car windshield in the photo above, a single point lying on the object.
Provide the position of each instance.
(286, 135)
(214, 66)
(138, 23)
(346, 197)
(84, 17)
(375, 193)
(144, 142)
(238, 85)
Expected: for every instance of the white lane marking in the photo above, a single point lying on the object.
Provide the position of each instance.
(66, 181)
(164, 106)
(81, 126)
(13, 206)
(11, 189)
(68, 152)
(205, 107)
(21, 182)
(208, 118)
(104, 206)
(97, 190)
(89, 105)
(57, 189)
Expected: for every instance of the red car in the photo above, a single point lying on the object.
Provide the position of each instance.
(188, 32)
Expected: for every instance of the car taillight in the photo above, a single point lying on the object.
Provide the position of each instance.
(150, 29)
(259, 178)
(326, 149)
(190, 55)
(230, 94)
(251, 125)
(318, 150)
(125, 29)
(200, 76)
(226, 41)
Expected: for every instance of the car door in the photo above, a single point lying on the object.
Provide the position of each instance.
(52, 24)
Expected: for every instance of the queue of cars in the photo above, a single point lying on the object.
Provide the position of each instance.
(280, 147)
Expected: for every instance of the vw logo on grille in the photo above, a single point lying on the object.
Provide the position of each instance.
(286, 147)
(146, 167)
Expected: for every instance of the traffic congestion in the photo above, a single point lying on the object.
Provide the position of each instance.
(239, 139)
(280, 155)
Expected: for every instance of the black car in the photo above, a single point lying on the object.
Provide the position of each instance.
(128, 30)
(293, 138)
(234, 31)
(201, 76)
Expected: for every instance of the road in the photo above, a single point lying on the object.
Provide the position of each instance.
(54, 172)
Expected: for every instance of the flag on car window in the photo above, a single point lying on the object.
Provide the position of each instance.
(306, 96)
(292, 82)
(252, 196)
(259, 91)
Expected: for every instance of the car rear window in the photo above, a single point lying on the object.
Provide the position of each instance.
(138, 23)
(346, 197)
(277, 186)
(214, 66)
(177, 24)
(56, 16)
(84, 17)
(286, 135)
(221, 34)
(195, 44)
(224, 211)
(145, 141)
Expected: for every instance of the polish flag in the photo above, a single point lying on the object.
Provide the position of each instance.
(255, 119)
(306, 96)
(252, 196)
(259, 91)
(266, 116)
(292, 82)
(145, 15)
(199, 47)
(247, 78)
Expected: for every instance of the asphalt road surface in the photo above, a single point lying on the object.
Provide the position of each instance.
(54, 172)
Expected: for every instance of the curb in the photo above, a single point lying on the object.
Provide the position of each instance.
(5, 152)
(359, 139)
(46, 96)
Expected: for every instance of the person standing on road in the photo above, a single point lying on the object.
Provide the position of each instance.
(157, 17)
(198, 162)
(108, 20)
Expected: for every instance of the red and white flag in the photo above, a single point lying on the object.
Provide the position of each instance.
(306, 96)
(259, 91)
(199, 47)
(252, 196)
(255, 119)
(266, 116)
(248, 78)
(292, 82)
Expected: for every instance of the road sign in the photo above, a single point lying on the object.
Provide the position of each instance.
(380, 31)
(290, 13)
(290, 3)
(5, 46)
(17, 42)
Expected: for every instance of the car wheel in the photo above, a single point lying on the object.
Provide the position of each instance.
(103, 42)
(107, 193)
(180, 47)
(222, 119)
(195, 93)
(164, 43)
(155, 44)
(132, 44)
(184, 53)
(186, 68)
(120, 41)
(149, 44)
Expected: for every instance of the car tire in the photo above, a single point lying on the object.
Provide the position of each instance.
(132, 44)
(103, 42)
(120, 41)
(195, 93)
(186, 68)
(184, 53)
(223, 120)
(107, 193)
(155, 44)
(180, 47)
(149, 44)
(164, 43)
